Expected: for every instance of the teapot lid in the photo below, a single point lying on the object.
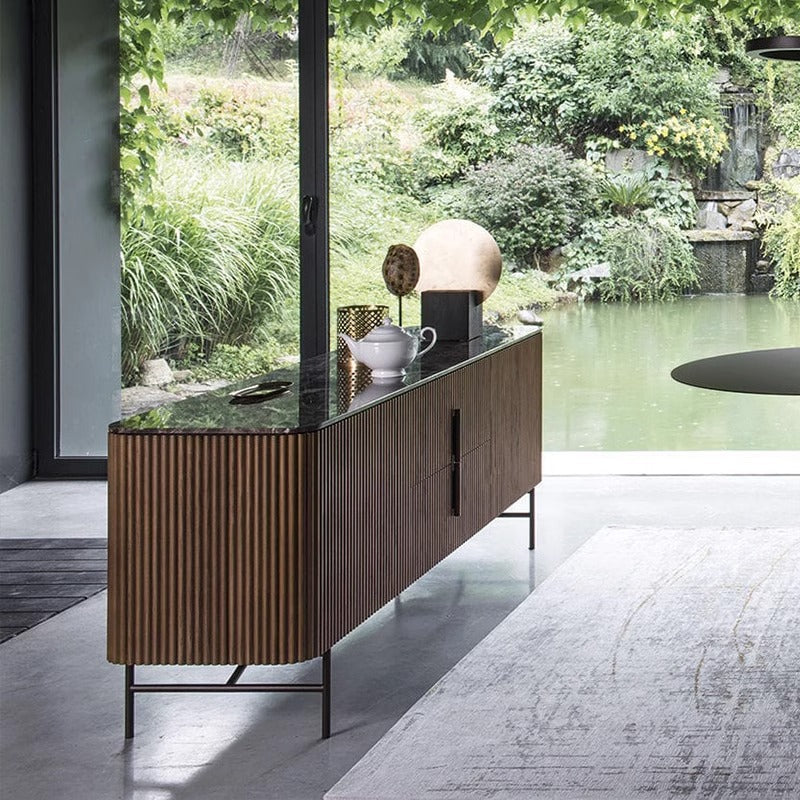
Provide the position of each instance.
(386, 332)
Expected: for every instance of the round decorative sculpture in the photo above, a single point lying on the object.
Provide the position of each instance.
(400, 269)
(458, 255)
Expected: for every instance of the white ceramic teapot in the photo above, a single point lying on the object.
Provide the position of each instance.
(387, 350)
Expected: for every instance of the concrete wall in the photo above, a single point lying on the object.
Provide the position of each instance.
(15, 209)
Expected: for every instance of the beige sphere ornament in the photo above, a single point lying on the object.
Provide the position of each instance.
(458, 255)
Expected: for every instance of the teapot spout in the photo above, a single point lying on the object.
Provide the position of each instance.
(351, 343)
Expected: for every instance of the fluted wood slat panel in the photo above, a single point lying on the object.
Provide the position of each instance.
(516, 403)
(360, 489)
(212, 543)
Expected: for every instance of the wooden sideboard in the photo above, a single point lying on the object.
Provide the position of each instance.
(264, 534)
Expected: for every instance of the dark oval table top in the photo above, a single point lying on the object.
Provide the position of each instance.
(752, 372)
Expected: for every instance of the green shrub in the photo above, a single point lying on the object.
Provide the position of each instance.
(374, 135)
(531, 201)
(683, 138)
(674, 199)
(240, 119)
(563, 86)
(647, 256)
(781, 242)
(231, 362)
(378, 53)
(459, 129)
(626, 193)
(215, 259)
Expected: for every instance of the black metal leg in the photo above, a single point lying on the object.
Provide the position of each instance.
(532, 521)
(236, 674)
(326, 695)
(128, 701)
(232, 685)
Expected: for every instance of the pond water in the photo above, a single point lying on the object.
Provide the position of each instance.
(607, 382)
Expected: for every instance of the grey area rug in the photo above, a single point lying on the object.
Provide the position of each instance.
(654, 663)
(39, 578)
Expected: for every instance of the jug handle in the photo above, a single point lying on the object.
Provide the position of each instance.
(433, 340)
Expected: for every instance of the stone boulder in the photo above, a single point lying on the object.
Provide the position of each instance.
(629, 159)
(156, 373)
(743, 214)
(787, 165)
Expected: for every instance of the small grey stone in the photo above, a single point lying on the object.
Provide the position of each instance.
(744, 212)
(709, 218)
(598, 271)
(156, 373)
(528, 317)
(181, 375)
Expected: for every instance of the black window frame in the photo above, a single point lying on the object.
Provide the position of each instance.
(313, 219)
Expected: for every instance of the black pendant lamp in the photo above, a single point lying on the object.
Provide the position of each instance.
(782, 48)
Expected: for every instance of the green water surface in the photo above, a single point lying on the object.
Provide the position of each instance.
(607, 382)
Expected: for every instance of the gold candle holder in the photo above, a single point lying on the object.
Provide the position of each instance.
(356, 322)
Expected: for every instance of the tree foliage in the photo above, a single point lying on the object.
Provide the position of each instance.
(564, 86)
(142, 62)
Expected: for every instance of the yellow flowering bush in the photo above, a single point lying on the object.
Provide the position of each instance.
(693, 142)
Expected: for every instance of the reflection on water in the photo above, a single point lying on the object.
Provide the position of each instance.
(607, 382)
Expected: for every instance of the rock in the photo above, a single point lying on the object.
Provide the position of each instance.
(708, 218)
(528, 317)
(722, 76)
(723, 263)
(787, 164)
(181, 375)
(458, 255)
(763, 266)
(749, 226)
(744, 212)
(156, 373)
(563, 298)
(629, 159)
(761, 283)
(598, 271)
(722, 195)
(727, 235)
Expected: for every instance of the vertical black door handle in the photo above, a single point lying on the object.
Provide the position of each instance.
(455, 462)
(309, 214)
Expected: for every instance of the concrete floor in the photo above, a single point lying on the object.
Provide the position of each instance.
(61, 702)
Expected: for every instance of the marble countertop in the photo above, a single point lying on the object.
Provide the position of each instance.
(323, 390)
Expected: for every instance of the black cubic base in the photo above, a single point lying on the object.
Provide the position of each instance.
(455, 316)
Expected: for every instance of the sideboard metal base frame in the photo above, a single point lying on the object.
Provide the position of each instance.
(530, 515)
(231, 685)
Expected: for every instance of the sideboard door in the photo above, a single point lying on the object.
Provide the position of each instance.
(516, 420)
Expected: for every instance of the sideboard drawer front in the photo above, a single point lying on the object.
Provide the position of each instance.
(430, 529)
(427, 441)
